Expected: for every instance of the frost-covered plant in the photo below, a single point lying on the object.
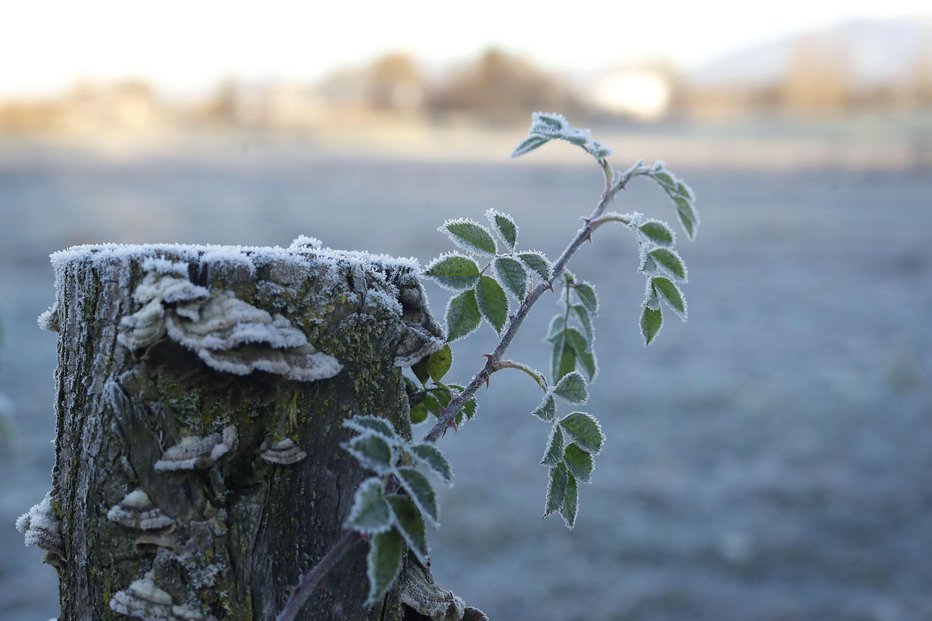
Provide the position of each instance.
(487, 268)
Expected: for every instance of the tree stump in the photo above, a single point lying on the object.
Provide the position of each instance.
(200, 398)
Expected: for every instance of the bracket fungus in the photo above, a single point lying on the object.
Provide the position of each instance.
(284, 452)
(137, 511)
(228, 334)
(422, 335)
(196, 452)
(40, 527)
(145, 600)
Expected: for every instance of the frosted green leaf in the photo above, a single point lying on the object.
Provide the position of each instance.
(563, 358)
(570, 502)
(554, 451)
(469, 409)
(470, 236)
(686, 212)
(547, 409)
(383, 563)
(418, 487)
(513, 275)
(578, 462)
(504, 226)
(420, 371)
(584, 430)
(419, 413)
(556, 328)
(651, 322)
(537, 263)
(669, 261)
(671, 294)
(493, 304)
(576, 340)
(439, 363)
(370, 511)
(553, 125)
(657, 232)
(529, 144)
(572, 388)
(430, 456)
(453, 271)
(597, 150)
(556, 489)
(372, 452)
(589, 364)
(462, 315)
(586, 294)
(410, 525)
(374, 424)
(583, 316)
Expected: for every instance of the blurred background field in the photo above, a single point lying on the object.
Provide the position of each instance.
(770, 460)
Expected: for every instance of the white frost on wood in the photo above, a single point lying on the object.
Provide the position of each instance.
(196, 452)
(40, 527)
(48, 319)
(137, 511)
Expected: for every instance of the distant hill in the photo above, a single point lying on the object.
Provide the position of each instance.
(873, 52)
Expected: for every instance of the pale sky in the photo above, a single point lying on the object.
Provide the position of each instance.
(187, 46)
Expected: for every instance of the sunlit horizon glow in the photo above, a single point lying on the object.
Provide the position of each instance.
(185, 48)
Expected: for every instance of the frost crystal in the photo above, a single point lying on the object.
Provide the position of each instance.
(40, 527)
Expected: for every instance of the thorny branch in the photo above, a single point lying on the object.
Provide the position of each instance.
(307, 583)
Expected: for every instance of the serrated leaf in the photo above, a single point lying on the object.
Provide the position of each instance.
(651, 322)
(556, 328)
(585, 321)
(370, 511)
(372, 452)
(572, 388)
(419, 413)
(537, 263)
(576, 340)
(512, 273)
(671, 294)
(418, 487)
(687, 215)
(570, 502)
(553, 125)
(597, 150)
(453, 271)
(462, 315)
(547, 410)
(468, 410)
(584, 430)
(434, 460)
(470, 236)
(383, 563)
(657, 232)
(578, 462)
(554, 451)
(586, 294)
(493, 304)
(374, 424)
(504, 226)
(410, 525)
(439, 363)
(529, 144)
(562, 359)
(432, 402)
(556, 489)
(669, 261)
(588, 363)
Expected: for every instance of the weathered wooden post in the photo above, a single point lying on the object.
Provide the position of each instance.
(201, 394)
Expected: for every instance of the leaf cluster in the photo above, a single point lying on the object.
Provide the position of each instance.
(481, 291)
(392, 507)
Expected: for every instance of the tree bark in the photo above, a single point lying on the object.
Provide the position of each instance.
(201, 394)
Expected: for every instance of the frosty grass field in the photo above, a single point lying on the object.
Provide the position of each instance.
(769, 460)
